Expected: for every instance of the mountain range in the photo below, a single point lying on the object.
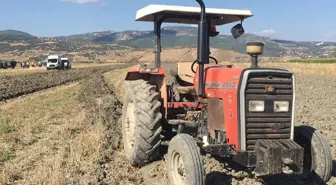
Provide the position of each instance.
(187, 36)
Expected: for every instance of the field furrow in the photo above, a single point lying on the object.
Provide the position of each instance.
(14, 86)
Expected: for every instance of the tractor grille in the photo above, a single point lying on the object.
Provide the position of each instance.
(268, 124)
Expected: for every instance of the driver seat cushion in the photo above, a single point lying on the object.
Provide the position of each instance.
(184, 78)
(186, 89)
(184, 71)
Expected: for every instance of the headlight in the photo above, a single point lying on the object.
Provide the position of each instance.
(256, 106)
(281, 106)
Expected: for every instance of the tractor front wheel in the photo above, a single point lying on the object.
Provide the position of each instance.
(317, 160)
(141, 122)
(185, 163)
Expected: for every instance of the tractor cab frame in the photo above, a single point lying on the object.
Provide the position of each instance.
(159, 14)
(244, 115)
(189, 15)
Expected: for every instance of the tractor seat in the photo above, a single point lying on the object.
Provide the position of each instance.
(184, 79)
(179, 80)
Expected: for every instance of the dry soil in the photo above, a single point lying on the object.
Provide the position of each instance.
(39, 146)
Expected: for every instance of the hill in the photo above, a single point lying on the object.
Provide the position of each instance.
(187, 36)
(14, 35)
(85, 36)
(172, 37)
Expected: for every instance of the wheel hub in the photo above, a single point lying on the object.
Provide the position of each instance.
(178, 174)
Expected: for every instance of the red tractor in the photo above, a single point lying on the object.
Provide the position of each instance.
(242, 115)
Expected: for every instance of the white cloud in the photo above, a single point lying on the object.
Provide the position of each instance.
(269, 32)
(82, 1)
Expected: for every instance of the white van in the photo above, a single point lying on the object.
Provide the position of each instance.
(53, 62)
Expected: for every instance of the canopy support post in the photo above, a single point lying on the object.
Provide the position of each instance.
(157, 32)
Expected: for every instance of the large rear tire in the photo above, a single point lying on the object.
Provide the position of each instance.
(317, 154)
(141, 122)
(185, 163)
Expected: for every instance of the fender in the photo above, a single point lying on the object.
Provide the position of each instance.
(155, 76)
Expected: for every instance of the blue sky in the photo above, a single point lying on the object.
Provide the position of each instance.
(306, 20)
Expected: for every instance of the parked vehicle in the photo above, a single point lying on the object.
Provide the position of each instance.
(67, 62)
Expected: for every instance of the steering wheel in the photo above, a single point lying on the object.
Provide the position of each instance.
(192, 66)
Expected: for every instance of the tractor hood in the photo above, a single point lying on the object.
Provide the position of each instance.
(219, 78)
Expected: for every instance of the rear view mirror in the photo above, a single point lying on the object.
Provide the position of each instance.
(237, 31)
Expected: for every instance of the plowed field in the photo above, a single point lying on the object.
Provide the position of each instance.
(14, 86)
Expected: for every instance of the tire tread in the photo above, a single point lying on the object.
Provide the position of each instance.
(148, 125)
(322, 145)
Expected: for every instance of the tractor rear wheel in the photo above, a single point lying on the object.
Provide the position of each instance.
(185, 163)
(317, 161)
(141, 122)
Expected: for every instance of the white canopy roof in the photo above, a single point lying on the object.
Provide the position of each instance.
(184, 14)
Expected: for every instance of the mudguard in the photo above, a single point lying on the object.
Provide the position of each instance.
(155, 76)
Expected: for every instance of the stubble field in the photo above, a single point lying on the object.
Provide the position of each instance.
(68, 131)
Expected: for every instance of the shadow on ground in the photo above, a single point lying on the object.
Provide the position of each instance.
(227, 177)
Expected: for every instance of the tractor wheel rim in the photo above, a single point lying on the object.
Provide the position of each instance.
(178, 170)
(130, 124)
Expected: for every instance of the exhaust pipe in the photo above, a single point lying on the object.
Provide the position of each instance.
(202, 48)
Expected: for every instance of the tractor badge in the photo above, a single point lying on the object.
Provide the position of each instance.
(269, 89)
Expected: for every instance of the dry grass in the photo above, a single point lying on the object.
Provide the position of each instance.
(46, 139)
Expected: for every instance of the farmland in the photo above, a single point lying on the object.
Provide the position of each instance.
(318, 61)
(14, 86)
(83, 146)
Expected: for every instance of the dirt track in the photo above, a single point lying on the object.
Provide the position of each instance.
(315, 106)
